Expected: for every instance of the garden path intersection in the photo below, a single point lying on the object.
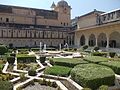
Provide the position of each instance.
(17, 72)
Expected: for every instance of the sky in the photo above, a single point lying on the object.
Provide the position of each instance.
(79, 7)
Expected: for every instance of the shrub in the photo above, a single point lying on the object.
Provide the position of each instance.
(103, 87)
(42, 59)
(6, 85)
(11, 60)
(52, 62)
(95, 59)
(53, 84)
(22, 77)
(69, 62)
(24, 58)
(112, 54)
(3, 49)
(13, 54)
(96, 48)
(66, 49)
(84, 47)
(100, 54)
(114, 65)
(58, 71)
(32, 72)
(92, 75)
(86, 89)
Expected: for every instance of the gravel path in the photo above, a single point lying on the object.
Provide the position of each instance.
(37, 86)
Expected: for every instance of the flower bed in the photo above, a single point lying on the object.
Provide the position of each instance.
(114, 65)
(58, 71)
(41, 84)
(92, 75)
(27, 66)
(95, 59)
(69, 62)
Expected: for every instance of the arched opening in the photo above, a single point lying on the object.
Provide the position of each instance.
(82, 40)
(114, 40)
(92, 40)
(102, 40)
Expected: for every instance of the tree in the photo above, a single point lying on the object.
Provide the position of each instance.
(3, 49)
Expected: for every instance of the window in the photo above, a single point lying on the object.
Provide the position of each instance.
(0, 19)
(7, 19)
(64, 24)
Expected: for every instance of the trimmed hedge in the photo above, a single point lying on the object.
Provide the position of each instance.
(112, 54)
(69, 62)
(32, 72)
(24, 58)
(95, 59)
(11, 60)
(114, 65)
(96, 48)
(84, 47)
(100, 54)
(58, 71)
(3, 49)
(92, 75)
(42, 59)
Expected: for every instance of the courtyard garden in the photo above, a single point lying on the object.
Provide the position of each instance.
(26, 69)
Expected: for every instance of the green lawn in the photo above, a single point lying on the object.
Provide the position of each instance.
(58, 71)
(69, 62)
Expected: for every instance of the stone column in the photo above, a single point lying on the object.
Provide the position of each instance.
(107, 46)
(86, 40)
(96, 42)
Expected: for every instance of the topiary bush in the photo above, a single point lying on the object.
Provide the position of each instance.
(13, 54)
(6, 85)
(3, 49)
(96, 48)
(11, 59)
(100, 54)
(84, 47)
(42, 59)
(92, 75)
(112, 54)
(32, 72)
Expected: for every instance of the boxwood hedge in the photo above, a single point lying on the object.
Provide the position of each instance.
(95, 59)
(92, 75)
(24, 58)
(69, 62)
(58, 71)
(114, 65)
